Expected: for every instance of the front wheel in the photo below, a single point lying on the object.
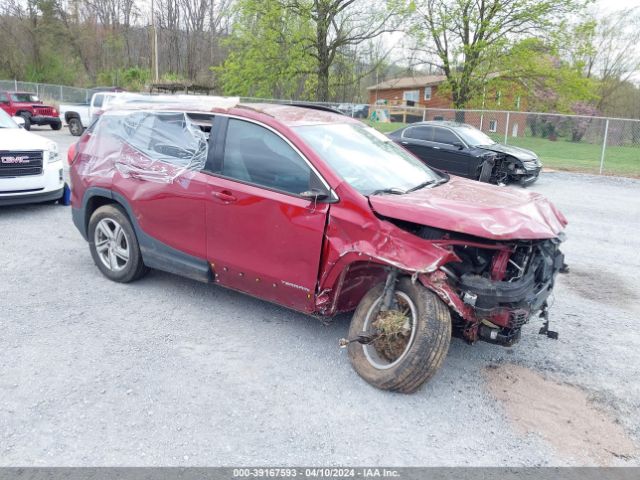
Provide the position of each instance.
(412, 338)
(114, 246)
(56, 125)
(27, 121)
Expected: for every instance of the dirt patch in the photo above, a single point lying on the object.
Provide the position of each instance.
(601, 286)
(561, 414)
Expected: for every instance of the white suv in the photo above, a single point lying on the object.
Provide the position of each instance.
(30, 167)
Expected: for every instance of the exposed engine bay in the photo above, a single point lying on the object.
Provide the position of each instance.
(502, 169)
(495, 287)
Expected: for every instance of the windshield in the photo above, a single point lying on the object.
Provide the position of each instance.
(366, 159)
(24, 97)
(6, 121)
(473, 137)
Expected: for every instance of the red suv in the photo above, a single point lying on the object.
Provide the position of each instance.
(319, 213)
(30, 107)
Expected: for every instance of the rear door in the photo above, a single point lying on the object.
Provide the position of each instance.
(452, 158)
(263, 238)
(419, 141)
(158, 169)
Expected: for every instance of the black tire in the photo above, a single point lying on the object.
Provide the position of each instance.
(134, 268)
(27, 120)
(75, 127)
(425, 351)
(56, 125)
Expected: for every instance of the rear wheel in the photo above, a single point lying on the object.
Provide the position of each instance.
(75, 127)
(413, 337)
(114, 246)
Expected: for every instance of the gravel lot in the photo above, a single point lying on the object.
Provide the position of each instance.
(168, 371)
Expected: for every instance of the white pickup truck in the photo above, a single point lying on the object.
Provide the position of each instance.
(79, 116)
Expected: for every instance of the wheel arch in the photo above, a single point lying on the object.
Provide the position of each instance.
(69, 115)
(155, 254)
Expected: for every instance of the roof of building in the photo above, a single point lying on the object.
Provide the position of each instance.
(409, 82)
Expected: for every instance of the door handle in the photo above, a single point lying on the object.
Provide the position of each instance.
(224, 196)
(404, 143)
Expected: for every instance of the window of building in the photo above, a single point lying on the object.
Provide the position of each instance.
(427, 93)
(493, 125)
(411, 95)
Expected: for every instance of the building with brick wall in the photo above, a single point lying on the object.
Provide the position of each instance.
(419, 91)
(424, 91)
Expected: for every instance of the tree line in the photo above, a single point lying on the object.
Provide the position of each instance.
(556, 52)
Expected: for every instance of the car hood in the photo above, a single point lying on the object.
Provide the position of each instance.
(519, 153)
(478, 209)
(20, 139)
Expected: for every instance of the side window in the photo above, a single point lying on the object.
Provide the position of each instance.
(4, 98)
(419, 133)
(442, 135)
(256, 155)
(97, 100)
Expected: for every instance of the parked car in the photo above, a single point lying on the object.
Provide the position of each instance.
(319, 213)
(30, 167)
(354, 110)
(463, 150)
(30, 108)
(79, 116)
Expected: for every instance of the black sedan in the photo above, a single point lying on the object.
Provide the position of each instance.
(463, 150)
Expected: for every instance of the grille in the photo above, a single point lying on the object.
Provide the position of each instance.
(518, 318)
(44, 111)
(20, 163)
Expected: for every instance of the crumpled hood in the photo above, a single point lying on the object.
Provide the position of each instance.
(20, 139)
(519, 153)
(475, 208)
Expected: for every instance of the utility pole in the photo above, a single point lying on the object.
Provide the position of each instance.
(155, 41)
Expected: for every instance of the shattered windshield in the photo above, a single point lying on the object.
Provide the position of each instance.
(474, 137)
(368, 160)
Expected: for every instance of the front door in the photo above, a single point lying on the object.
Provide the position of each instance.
(263, 238)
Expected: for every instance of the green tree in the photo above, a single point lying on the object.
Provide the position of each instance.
(469, 39)
(267, 56)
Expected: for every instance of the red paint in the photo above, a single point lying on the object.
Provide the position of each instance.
(315, 258)
(14, 108)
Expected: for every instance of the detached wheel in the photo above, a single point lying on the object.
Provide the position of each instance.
(114, 246)
(56, 125)
(27, 121)
(75, 127)
(414, 337)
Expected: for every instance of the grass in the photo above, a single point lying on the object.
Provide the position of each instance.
(566, 155)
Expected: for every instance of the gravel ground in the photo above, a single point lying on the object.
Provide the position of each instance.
(168, 371)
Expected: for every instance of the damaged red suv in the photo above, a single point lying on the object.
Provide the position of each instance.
(319, 213)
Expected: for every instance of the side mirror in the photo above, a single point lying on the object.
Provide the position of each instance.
(314, 195)
(19, 121)
(458, 145)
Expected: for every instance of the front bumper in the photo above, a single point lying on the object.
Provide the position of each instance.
(44, 120)
(47, 186)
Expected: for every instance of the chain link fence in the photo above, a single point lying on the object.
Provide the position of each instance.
(48, 92)
(565, 142)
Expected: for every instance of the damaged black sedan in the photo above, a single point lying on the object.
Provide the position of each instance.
(463, 150)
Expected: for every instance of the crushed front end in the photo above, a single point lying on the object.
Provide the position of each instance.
(494, 289)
